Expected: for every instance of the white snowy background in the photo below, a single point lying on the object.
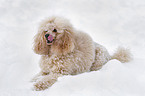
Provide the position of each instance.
(111, 23)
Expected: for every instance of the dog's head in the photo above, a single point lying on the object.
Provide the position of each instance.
(55, 35)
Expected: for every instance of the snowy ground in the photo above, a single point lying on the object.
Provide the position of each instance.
(111, 23)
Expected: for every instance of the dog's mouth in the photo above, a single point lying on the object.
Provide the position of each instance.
(49, 39)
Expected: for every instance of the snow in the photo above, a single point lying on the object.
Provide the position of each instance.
(111, 23)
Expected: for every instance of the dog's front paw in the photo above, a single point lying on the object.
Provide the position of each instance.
(41, 85)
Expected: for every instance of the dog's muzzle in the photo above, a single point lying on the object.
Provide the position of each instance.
(49, 38)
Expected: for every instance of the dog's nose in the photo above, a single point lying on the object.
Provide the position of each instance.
(46, 36)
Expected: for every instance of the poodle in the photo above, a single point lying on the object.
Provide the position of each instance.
(67, 51)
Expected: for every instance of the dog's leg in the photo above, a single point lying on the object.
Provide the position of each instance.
(101, 57)
(46, 81)
(38, 76)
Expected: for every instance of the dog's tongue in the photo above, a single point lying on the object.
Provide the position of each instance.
(50, 38)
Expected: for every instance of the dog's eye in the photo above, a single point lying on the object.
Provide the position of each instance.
(54, 30)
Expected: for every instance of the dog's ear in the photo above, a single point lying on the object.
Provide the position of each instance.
(39, 46)
(65, 44)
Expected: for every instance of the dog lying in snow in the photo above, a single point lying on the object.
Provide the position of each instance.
(66, 51)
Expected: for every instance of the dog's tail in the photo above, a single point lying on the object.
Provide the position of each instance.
(122, 54)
